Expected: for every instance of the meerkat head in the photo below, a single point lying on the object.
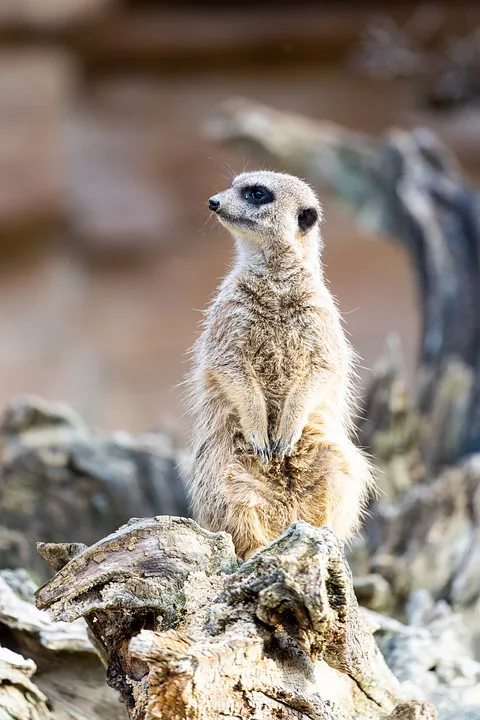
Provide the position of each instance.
(268, 210)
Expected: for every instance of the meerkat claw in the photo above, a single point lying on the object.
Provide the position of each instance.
(282, 449)
(289, 449)
(264, 452)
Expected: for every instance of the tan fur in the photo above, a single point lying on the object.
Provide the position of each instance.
(273, 364)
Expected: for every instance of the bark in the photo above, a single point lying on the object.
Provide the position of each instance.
(188, 632)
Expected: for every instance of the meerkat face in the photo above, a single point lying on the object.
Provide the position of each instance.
(267, 208)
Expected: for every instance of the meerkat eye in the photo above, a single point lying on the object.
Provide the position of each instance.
(307, 218)
(258, 195)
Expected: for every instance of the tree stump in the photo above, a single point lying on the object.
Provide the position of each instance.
(189, 632)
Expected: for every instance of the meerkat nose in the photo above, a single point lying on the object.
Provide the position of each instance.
(214, 204)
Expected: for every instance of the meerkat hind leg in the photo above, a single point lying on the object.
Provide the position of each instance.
(339, 480)
(248, 532)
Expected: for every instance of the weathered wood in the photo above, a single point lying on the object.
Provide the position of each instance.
(431, 655)
(446, 73)
(48, 670)
(54, 468)
(20, 699)
(190, 633)
(413, 711)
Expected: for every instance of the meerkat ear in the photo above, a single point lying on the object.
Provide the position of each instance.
(307, 218)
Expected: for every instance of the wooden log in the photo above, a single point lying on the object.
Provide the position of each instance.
(54, 469)
(188, 632)
(48, 670)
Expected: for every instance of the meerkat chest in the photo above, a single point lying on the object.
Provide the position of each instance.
(277, 351)
(276, 328)
(281, 337)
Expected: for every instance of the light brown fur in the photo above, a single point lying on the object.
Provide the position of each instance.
(270, 390)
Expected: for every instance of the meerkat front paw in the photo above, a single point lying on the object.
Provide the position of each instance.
(261, 446)
(285, 441)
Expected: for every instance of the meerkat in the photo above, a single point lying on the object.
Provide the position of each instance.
(271, 386)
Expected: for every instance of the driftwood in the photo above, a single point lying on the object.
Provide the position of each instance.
(448, 75)
(431, 654)
(55, 470)
(425, 529)
(188, 632)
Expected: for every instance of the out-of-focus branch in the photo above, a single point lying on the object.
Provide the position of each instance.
(405, 185)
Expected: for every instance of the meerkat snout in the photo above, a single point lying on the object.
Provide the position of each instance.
(214, 204)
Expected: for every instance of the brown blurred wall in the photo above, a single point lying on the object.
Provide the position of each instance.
(107, 250)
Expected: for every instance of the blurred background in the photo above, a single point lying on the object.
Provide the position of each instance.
(114, 132)
(106, 248)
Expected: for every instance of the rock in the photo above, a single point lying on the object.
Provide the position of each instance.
(57, 472)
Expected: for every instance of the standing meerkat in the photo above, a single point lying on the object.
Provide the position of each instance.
(270, 390)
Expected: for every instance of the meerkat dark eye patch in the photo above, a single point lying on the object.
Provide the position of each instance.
(307, 218)
(257, 195)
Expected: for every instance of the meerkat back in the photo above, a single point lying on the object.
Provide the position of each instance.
(271, 386)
